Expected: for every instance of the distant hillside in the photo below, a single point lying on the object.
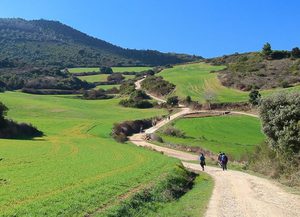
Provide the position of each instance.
(253, 70)
(51, 43)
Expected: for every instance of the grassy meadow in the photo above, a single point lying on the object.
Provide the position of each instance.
(77, 168)
(234, 134)
(196, 79)
(115, 69)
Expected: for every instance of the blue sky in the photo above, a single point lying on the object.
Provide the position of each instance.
(203, 27)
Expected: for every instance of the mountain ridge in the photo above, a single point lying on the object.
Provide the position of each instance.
(47, 42)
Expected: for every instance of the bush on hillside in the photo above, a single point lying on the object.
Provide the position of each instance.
(254, 97)
(172, 101)
(127, 87)
(295, 53)
(137, 99)
(157, 86)
(267, 50)
(142, 104)
(172, 131)
(106, 70)
(115, 78)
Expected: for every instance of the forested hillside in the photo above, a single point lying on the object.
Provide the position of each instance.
(44, 43)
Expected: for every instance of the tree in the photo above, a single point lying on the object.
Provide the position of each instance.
(295, 52)
(209, 97)
(267, 50)
(106, 70)
(188, 99)
(254, 97)
(280, 116)
(173, 101)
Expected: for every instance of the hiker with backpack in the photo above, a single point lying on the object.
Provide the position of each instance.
(202, 161)
(224, 161)
(220, 159)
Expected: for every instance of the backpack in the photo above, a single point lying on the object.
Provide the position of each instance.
(224, 159)
(202, 158)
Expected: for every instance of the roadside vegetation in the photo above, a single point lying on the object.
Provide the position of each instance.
(174, 189)
(279, 156)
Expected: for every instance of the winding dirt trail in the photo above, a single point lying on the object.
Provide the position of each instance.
(235, 194)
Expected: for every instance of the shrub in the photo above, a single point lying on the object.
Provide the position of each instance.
(156, 138)
(127, 88)
(295, 53)
(279, 54)
(267, 161)
(106, 70)
(280, 116)
(172, 131)
(136, 103)
(137, 99)
(173, 101)
(120, 131)
(157, 86)
(116, 78)
(188, 100)
(267, 50)
(254, 97)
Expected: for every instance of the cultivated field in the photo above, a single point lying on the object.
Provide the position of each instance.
(196, 79)
(234, 135)
(115, 69)
(76, 168)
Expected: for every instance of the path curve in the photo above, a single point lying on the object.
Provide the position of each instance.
(235, 194)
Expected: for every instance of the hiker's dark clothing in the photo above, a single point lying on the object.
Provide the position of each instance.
(224, 162)
(202, 161)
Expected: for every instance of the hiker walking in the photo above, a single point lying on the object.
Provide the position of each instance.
(224, 161)
(220, 159)
(202, 161)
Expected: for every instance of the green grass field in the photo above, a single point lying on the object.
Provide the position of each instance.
(195, 79)
(115, 69)
(77, 168)
(93, 78)
(234, 135)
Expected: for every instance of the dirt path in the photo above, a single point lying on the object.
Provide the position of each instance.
(235, 193)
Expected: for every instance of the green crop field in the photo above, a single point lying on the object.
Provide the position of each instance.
(93, 78)
(77, 168)
(196, 79)
(115, 69)
(234, 135)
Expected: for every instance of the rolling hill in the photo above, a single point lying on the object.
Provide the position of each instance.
(44, 43)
